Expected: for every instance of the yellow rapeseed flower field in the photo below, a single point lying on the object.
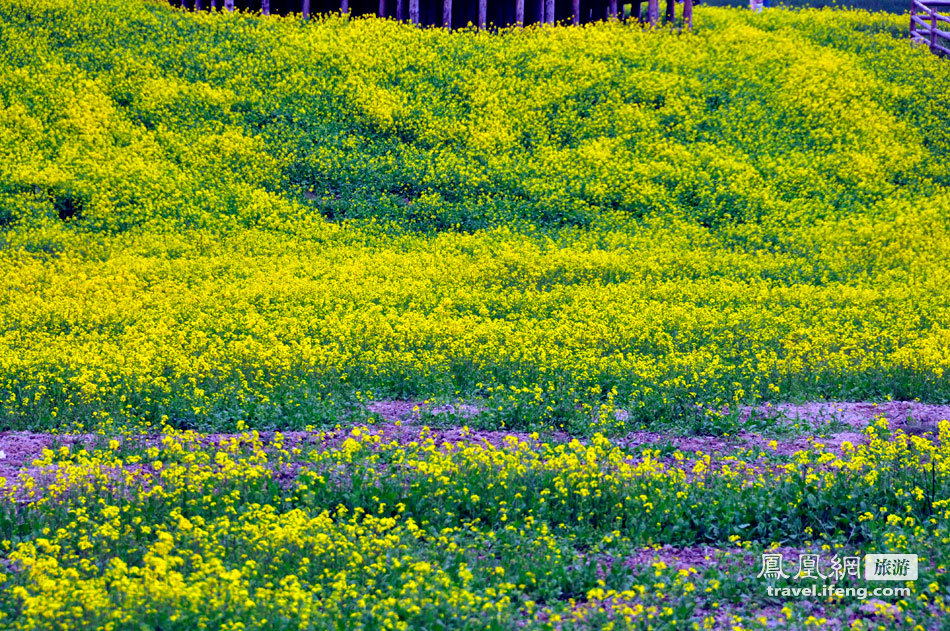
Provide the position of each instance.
(211, 217)
(371, 531)
(228, 241)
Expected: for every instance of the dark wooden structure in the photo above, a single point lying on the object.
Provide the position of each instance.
(929, 26)
(461, 13)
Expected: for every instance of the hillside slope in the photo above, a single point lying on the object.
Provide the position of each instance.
(208, 219)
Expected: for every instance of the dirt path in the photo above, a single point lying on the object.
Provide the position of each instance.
(403, 420)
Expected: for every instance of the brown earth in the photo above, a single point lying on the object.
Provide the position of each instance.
(403, 419)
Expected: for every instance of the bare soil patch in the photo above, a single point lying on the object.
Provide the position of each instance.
(403, 420)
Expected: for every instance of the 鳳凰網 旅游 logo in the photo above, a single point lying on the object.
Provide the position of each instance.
(813, 575)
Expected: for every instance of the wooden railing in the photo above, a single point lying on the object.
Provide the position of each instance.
(930, 27)
(459, 13)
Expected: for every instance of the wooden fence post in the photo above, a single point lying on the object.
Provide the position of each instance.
(913, 25)
(549, 11)
(265, 7)
(653, 12)
(612, 9)
(519, 12)
(305, 8)
(482, 13)
(414, 12)
(576, 11)
(382, 8)
(344, 6)
(400, 10)
(688, 13)
(933, 30)
(447, 14)
(229, 6)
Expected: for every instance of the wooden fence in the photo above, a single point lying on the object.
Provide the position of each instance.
(929, 27)
(461, 13)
